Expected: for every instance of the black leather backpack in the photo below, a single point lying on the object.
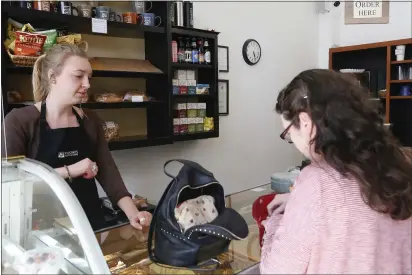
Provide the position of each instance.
(200, 244)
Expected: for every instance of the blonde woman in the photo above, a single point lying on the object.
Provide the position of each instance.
(69, 139)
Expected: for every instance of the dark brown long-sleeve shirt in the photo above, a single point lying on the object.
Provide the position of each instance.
(22, 133)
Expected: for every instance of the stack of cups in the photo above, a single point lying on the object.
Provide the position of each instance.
(400, 52)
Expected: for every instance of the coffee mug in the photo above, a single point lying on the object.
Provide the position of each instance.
(130, 17)
(405, 90)
(42, 5)
(103, 12)
(115, 17)
(140, 6)
(148, 19)
(67, 8)
(26, 4)
(85, 10)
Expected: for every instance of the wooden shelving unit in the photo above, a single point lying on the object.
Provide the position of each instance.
(157, 70)
(380, 61)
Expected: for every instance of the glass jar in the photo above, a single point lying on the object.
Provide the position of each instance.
(201, 109)
(191, 110)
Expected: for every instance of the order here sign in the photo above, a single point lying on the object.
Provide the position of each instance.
(367, 9)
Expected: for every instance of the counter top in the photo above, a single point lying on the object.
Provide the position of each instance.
(125, 249)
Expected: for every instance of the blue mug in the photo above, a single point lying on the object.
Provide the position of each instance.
(405, 90)
(148, 19)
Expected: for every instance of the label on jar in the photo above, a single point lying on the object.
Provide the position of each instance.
(188, 56)
(195, 56)
(191, 106)
(191, 120)
(174, 51)
(183, 121)
(176, 121)
(181, 106)
(207, 57)
(201, 106)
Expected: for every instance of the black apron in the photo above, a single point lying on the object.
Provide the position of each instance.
(66, 146)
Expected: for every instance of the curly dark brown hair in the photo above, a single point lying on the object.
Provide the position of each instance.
(351, 137)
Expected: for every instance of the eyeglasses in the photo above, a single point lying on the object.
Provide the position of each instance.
(285, 135)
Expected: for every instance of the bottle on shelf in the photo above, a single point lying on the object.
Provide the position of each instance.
(174, 51)
(188, 52)
(208, 55)
(181, 57)
(201, 51)
(195, 52)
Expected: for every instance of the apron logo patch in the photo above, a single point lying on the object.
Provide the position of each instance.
(68, 154)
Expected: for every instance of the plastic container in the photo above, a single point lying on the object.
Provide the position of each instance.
(201, 109)
(282, 182)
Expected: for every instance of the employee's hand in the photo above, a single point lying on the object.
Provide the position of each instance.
(140, 219)
(278, 204)
(86, 168)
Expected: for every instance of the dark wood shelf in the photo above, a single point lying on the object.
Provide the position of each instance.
(380, 60)
(208, 96)
(194, 32)
(43, 19)
(189, 66)
(401, 97)
(195, 136)
(138, 141)
(402, 61)
(401, 81)
(155, 70)
(96, 73)
(99, 105)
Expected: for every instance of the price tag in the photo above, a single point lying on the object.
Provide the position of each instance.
(99, 25)
(137, 98)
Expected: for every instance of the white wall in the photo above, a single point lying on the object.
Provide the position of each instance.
(332, 29)
(249, 149)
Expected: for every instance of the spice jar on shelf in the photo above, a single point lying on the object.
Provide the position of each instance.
(199, 125)
(201, 109)
(191, 125)
(181, 110)
(191, 110)
(176, 126)
(183, 126)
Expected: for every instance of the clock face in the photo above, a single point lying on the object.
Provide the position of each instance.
(251, 52)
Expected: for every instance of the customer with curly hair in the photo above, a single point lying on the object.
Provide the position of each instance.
(350, 210)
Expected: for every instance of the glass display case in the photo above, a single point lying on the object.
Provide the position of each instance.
(44, 228)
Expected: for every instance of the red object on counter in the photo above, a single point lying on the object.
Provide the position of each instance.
(260, 213)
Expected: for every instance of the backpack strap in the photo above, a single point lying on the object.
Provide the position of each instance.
(189, 163)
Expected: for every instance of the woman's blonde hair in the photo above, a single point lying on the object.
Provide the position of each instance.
(53, 60)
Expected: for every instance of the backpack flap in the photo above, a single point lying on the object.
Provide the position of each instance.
(228, 225)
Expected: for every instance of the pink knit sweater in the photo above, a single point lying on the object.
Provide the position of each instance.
(327, 228)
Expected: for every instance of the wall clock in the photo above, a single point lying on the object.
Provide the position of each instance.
(251, 52)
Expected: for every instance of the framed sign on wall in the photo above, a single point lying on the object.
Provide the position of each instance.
(223, 59)
(223, 90)
(367, 12)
